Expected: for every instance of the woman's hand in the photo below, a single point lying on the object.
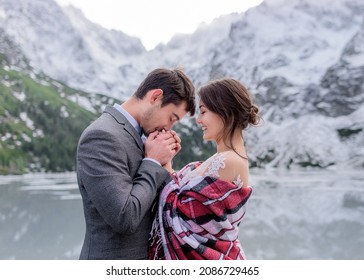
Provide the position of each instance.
(168, 167)
(177, 147)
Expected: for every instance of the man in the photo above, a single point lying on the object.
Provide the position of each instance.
(118, 176)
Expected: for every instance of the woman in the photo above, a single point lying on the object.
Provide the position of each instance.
(200, 210)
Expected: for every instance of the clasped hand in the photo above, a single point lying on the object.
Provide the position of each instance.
(162, 146)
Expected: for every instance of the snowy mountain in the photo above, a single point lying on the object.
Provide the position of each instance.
(67, 46)
(40, 118)
(303, 60)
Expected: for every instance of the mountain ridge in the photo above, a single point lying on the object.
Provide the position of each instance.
(302, 61)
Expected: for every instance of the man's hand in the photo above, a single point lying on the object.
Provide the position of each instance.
(162, 146)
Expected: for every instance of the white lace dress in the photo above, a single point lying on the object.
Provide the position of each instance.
(210, 167)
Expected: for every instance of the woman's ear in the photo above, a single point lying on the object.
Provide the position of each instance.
(155, 95)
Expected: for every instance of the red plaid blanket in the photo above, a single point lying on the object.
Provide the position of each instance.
(199, 219)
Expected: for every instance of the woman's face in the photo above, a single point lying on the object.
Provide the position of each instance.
(211, 123)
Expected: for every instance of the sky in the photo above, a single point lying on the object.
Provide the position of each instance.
(156, 21)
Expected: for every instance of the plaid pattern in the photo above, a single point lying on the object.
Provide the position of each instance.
(199, 219)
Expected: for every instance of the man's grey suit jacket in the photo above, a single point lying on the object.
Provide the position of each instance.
(117, 188)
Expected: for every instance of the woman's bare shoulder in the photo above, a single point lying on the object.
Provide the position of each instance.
(235, 168)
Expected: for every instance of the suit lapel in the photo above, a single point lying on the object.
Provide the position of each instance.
(120, 118)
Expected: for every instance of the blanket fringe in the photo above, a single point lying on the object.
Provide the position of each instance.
(155, 239)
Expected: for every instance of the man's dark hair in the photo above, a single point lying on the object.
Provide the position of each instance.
(176, 86)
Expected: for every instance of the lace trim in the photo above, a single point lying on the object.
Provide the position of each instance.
(238, 181)
(210, 168)
(217, 162)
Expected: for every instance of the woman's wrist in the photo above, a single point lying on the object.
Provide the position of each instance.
(168, 167)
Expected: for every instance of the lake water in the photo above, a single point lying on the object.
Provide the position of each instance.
(295, 215)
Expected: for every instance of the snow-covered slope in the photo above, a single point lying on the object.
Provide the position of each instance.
(303, 61)
(67, 46)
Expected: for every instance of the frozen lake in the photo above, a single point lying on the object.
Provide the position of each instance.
(295, 215)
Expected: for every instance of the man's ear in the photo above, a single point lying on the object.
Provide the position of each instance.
(155, 95)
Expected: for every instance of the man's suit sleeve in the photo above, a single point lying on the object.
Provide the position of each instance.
(121, 200)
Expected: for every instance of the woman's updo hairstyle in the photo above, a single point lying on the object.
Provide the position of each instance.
(230, 99)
